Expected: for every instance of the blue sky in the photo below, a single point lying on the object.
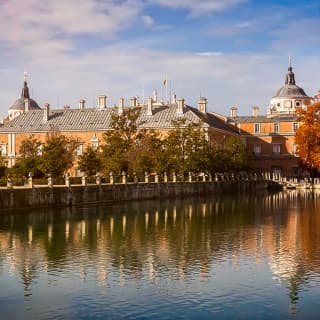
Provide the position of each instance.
(234, 52)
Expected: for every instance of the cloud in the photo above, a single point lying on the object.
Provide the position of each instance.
(33, 19)
(198, 7)
(52, 41)
(209, 53)
(118, 71)
(148, 21)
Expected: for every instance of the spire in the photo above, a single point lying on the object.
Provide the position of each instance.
(25, 89)
(290, 75)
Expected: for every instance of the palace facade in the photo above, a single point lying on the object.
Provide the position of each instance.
(269, 138)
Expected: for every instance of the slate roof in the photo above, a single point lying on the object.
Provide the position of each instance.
(263, 119)
(19, 105)
(94, 119)
(290, 91)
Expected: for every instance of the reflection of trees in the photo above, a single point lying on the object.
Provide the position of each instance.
(186, 237)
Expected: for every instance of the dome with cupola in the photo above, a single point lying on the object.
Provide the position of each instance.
(23, 104)
(288, 97)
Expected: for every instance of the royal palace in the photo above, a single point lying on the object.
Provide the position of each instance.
(269, 138)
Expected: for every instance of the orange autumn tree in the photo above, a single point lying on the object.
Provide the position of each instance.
(308, 136)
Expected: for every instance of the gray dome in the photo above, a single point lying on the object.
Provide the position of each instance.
(290, 91)
(19, 105)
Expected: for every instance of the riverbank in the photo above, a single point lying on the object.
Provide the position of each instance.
(74, 195)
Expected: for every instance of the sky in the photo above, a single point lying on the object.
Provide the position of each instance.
(234, 52)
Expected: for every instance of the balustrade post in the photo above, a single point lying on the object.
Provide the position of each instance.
(111, 178)
(30, 180)
(9, 182)
(203, 177)
(67, 179)
(210, 177)
(165, 177)
(84, 180)
(124, 177)
(190, 177)
(156, 178)
(135, 178)
(174, 177)
(98, 179)
(50, 181)
(146, 177)
(216, 177)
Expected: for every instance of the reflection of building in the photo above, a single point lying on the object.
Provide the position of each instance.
(270, 138)
(185, 239)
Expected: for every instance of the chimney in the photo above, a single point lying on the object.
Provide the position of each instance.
(46, 111)
(202, 105)
(255, 111)
(121, 106)
(82, 104)
(66, 107)
(149, 107)
(155, 96)
(233, 112)
(26, 105)
(134, 102)
(102, 102)
(174, 98)
(180, 106)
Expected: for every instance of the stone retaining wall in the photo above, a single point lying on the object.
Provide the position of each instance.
(61, 196)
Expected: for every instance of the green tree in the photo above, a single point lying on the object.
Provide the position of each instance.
(30, 147)
(144, 153)
(236, 153)
(188, 148)
(90, 161)
(30, 161)
(58, 154)
(117, 142)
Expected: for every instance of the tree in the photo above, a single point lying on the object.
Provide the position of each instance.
(125, 125)
(30, 147)
(118, 141)
(144, 153)
(30, 161)
(58, 154)
(236, 153)
(90, 161)
(308, 136)
(188, 148)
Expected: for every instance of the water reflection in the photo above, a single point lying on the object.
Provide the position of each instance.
(178, 240)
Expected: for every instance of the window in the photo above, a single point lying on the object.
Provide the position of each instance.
(298, 103)
(276, 127)
(276, 148)
(3, 149)
(257, 148)
(79, 150)
(295, 126)
(95, 143)
(257, 127)
(278, 104)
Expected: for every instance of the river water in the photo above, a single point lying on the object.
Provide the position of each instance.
(231, 257)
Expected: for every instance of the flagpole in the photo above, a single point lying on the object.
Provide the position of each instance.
(166, 89)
